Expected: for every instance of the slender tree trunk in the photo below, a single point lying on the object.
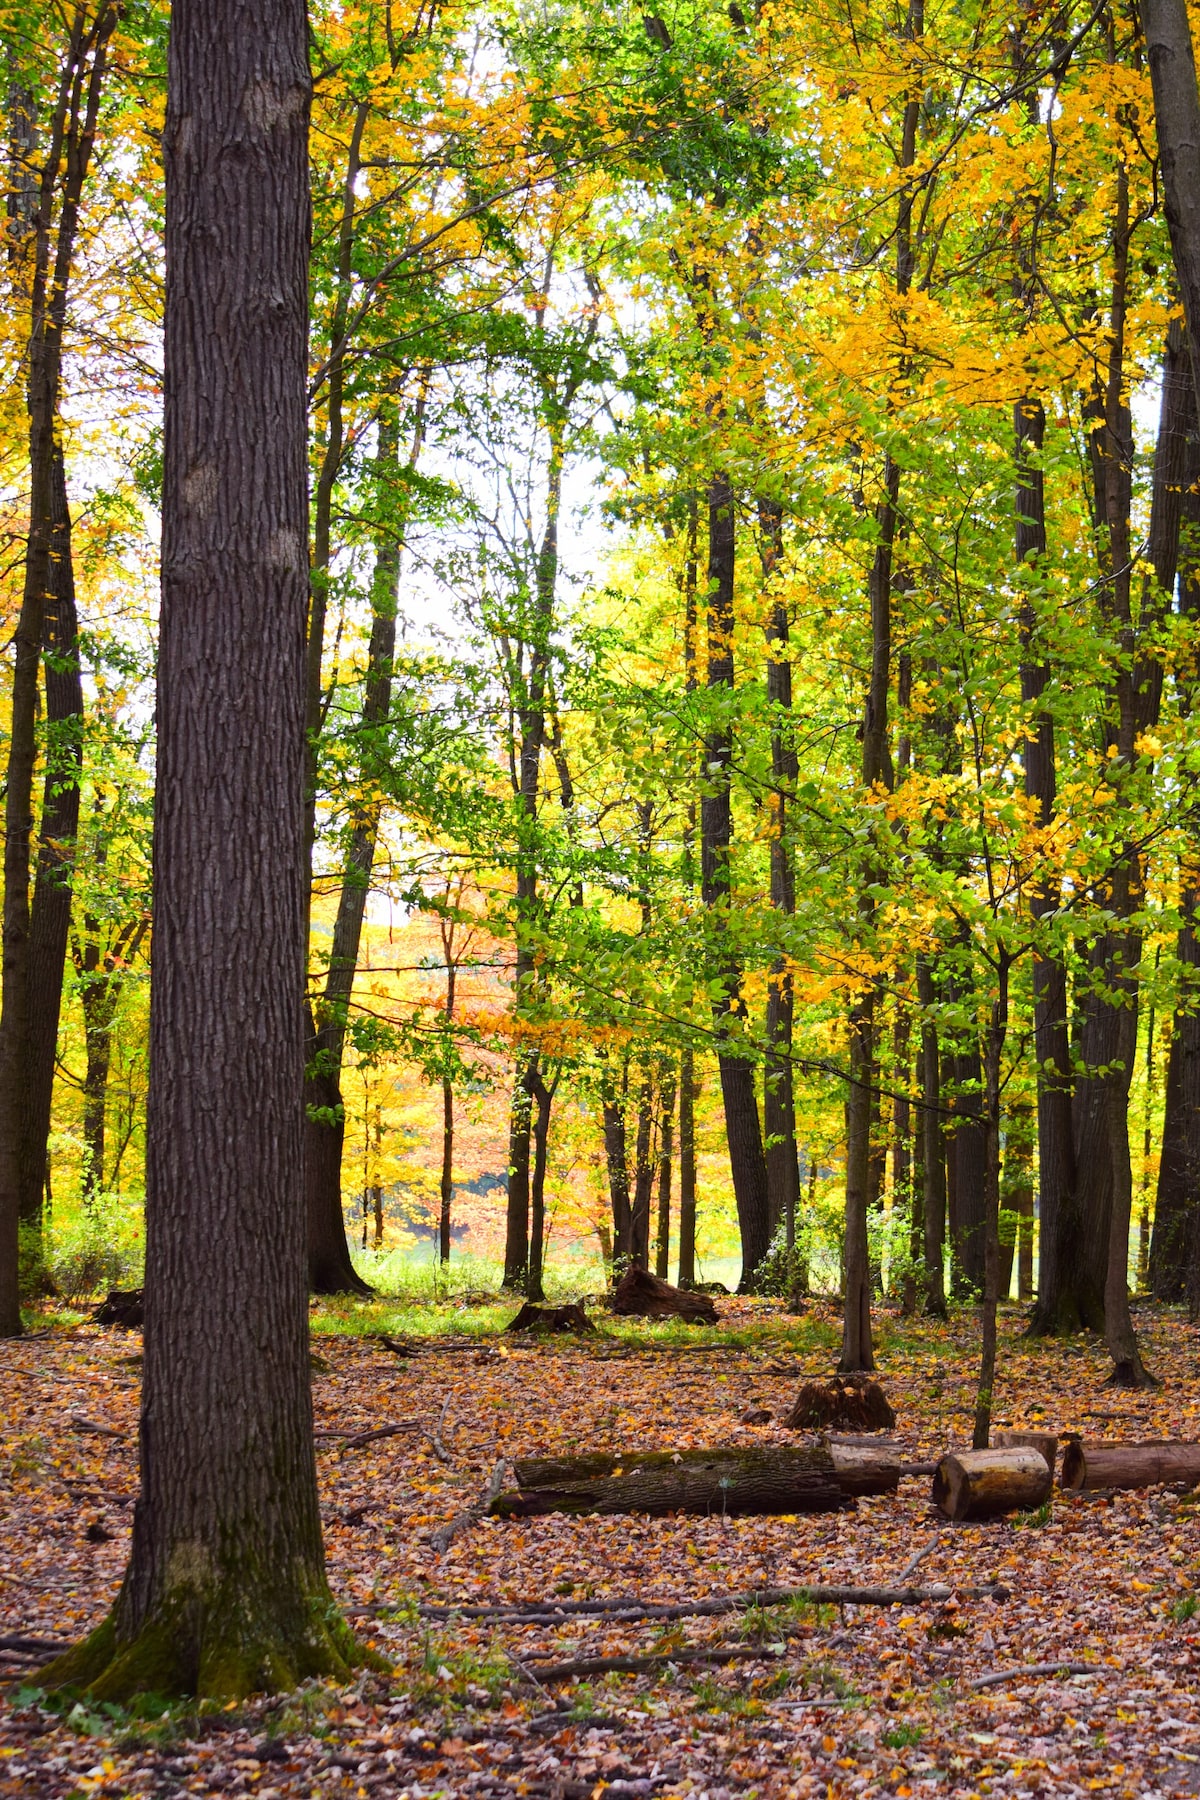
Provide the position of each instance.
(662, 1234)
(50, 918)
(779, 1104)
(687, 1167)
(970, 1170)
(71, 137)
(933, 1147)
(616, 1154)
(643, 1174)
(997, 1031)
(742, 1129)
(330, 1268)
(544, 1100)
(446, 1185)
(1177, 119)
(225, 1592)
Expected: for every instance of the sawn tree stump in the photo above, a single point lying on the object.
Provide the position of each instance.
(983, 1484)
(773, 1479)
(1128, 1465)
(640, 1295)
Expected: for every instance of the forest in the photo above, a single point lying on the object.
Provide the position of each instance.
(602, 620)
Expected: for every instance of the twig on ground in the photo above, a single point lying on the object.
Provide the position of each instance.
(999, 1677)
(439, 1449)
(18, 1640)
(914, 1563)
(16, 1369)
(354, 1439)
(79, 1423)
(534, 1611)
(441, 1539)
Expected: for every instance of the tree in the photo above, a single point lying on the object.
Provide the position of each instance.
(225, 1591)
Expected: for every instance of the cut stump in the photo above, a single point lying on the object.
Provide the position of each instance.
(1044, 1442)
(853, 1403)
(984, 1484)
(774, 1479)
(1108, 1465)
(550, 1318)
(640, 1295)
(122, 1307)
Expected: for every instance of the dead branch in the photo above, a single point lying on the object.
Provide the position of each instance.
(999, 1677)
(539, 1612)
(441, 1539)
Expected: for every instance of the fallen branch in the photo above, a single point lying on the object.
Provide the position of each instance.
(79, 1423)
(18, 1640)
(439, 1449)
(999, 1677)
(357, 1438)
(636, 1665)
(441, 1539)
(539, 1612)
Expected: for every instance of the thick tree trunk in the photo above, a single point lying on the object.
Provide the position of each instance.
(747, 1161)
(50, 918)
(446, 1184)
(543, 1099)
(779, 1104)
(225, 1593)
(993, 1054)
(616, 1158)
(1177, 119)
(71, 138)
(858, 1468)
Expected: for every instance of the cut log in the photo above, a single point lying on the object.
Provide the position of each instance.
(858, 1470)
(550, 1318)
(983, 1484)
(640, 1295)
(1045, 1442)
(123, 1308)
(858, 1404)
(1105, 1465)
(774, 1479)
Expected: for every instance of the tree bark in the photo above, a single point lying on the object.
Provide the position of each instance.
(933, 1145)
(1102, 1465)
(779, 1102)
(616, 1157)
(643, 1173)
(662, 1234)
(747, 1162)
(543, 1095)
(1177, 119)
(728, 1483)
(985, 1484)
(225, 1592)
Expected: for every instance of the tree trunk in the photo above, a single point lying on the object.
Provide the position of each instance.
(779, 1104)
(544, 1100)
(994, 1051)
(616, 1157)
(747, 1162)
(933, 1146)
(662, 1234)
(446, 1184)
(858, 1468)
(50, 918)
(225, 1593)
(643, 1174)
(970, 1152)
(331, 1270)
(1177, 119)
(687, 1167)
(71, 137)
(520, 1143)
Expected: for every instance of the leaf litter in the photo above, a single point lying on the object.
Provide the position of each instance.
(1084, 1679)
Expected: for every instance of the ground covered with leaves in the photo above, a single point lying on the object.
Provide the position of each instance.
(963, 1695)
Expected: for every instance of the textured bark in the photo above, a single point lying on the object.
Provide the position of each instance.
(225, 1592)
(1102, 1465)
(728, 1483)
(747, 1161)
(50, 916)
(662, 1233)
(970, 1185)
(779, 1104)
(643, 1173)
(543, 1095)
(616, 1158)
(71, 137)
(1177, 119)
(859, 1469)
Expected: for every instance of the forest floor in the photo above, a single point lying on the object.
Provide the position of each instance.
(831, 1702)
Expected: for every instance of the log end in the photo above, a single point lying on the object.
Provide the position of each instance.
(986, 1484)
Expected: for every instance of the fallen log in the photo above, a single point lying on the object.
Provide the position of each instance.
(984, 1484)
(858, 1470)
(1044, 1442)
(640, 1295)
(1111, 1465)
(771, 1479)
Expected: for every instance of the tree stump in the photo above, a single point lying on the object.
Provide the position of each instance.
(1104, 1465)
(984, 1484)
(858, 1404)
(1045, 1442)
(122, 1307)
(729, 1482)
(640, 1295)
(550, 1318)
